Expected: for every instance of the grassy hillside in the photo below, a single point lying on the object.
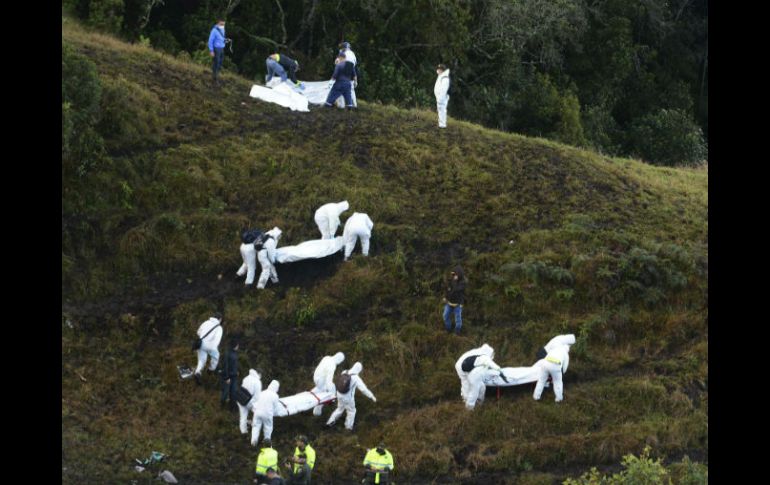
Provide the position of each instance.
(553, 240)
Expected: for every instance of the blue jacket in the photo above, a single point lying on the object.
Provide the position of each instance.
(216, 39)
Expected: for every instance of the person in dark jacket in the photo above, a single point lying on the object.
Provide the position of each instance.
(273, 478)
(230, 374)
(288, 64)
(454, 299)
(299, 473)
(340, 84)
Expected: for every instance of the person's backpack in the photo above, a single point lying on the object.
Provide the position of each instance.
(251, 235)
(243, 396)
(342, 383)
(450, 90)
(468, 363)
(261, 240)
(196, 344)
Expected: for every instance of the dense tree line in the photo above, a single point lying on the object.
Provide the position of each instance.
(625, 77)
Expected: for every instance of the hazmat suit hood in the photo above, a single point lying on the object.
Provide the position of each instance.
(342, 206)
(254, 373)
(338, 358)
(570, 339)
(356, 369)
(275, 232)
(274, 385)
(487, 350)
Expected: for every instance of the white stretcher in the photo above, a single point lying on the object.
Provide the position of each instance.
(318, 248)
(304, 401)
(515, 376)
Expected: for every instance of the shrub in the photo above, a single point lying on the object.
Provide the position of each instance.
(82, 146)
(129, 115)
(668, 137)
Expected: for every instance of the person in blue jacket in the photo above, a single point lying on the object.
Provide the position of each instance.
(217, 46)
(340, 84)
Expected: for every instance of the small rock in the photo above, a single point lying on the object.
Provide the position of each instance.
(138, 468)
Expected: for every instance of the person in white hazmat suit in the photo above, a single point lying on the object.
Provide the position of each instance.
(266, 257)
(323, 377)
(357, 227)
(554, 365)
(346, 402)
(327, 218)
(568, 339)
(462, 374)
(441, 91)
(249, 266)
(210, 332)
(253, 384)
(483, 367)
(264, 409)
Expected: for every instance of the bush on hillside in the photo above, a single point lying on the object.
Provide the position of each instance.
(668, 137)
(129, 114)
(643, 470)
(82, 146)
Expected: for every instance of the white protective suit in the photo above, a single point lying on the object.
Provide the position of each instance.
(357, 227)
(249, 266)
(253, 384)
(264, 409)
(323, 377)
(441, 91)
(554, 365)
(209, 345)
(327, 217)
(347, 401)
(483, 350)
(266, 257)
(483, 369)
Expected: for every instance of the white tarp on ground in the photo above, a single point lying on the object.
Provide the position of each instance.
(315, 92)
(304, 401)
(515, 376)
(282, 94)
(318, 248)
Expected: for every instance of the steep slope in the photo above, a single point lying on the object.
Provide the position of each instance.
(553, 239)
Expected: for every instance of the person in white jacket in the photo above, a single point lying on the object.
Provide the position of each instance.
(264, 409)
(266, 257)
(483, 367)
(249, 256)
(323, 377)
(441, 91)
(554, 365)
(327, 218)
(463, 374)
(346, 402)
(568, 340)
(253, 384)
(210, 332)
(357, 227)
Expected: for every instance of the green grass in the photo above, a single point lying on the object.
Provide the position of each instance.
(553, 240)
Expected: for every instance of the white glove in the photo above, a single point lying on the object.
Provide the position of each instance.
(374, 399)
